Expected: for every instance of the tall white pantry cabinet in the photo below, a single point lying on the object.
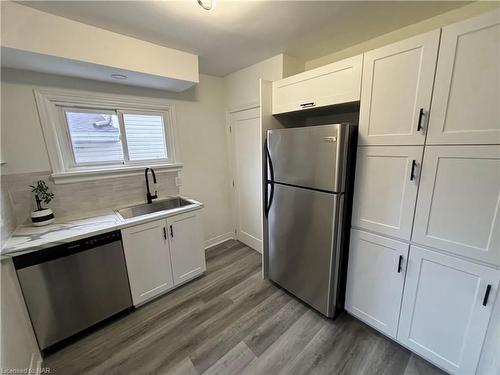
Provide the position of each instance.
(424, 263)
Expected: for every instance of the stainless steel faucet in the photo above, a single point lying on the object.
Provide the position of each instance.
(150, 197)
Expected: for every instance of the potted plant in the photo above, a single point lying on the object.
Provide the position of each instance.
(42, 216)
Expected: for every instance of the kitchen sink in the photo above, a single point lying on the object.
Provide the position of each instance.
(148, 208)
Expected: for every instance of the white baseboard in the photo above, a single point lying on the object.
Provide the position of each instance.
(218, 239)
(36, 363)
(251, 241)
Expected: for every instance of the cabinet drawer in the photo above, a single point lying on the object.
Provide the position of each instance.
(335, 83)
(385, 189)
(396, 91)
(458, 203)
(375, 278)
(465, 104)
(446, 308)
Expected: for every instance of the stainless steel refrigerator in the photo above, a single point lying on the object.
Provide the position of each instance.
(309, 184)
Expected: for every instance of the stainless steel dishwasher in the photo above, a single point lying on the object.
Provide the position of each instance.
(73, 286)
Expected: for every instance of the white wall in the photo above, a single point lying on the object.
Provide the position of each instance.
(200, 135)
(429, 24)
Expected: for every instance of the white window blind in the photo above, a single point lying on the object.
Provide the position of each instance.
(145, 136)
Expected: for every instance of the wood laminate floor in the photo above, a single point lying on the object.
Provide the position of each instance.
(230, 321)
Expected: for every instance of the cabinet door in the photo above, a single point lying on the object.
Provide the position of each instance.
(148, 260)
(335, 83)
(465, 104)
(375, 279)
(458, 203)
(385, 189)
(186, 246)
(446, 308)
(396, 91)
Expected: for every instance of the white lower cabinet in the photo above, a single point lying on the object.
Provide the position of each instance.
(163, 254)
(186, 246)
(446, 309)
(375, 280)
(148, 260)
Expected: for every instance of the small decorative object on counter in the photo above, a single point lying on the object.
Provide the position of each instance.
(42, 216)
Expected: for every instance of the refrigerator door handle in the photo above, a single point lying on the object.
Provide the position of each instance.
(269, 163)
(269, 181)
(270, 200)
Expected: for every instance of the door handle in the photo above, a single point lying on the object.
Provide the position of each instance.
(307, 105)
(171, 232)
(269, 200)
(164, 233)
(486, 295)
(420, 116)
(400, 263)
(413, 166)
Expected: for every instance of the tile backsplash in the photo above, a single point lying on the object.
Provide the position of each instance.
(83, 198)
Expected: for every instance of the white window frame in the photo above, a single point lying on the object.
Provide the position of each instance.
(52, 105)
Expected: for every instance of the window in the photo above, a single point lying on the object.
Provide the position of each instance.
(95, 137)
(115, 137)
(90, 134)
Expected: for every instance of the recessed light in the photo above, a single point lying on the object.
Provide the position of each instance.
(118, 76)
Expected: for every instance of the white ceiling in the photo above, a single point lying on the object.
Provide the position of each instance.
(240, 33)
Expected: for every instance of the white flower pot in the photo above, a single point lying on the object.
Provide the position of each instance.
(42, 217)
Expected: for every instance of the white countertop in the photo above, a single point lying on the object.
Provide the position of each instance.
(28, 238)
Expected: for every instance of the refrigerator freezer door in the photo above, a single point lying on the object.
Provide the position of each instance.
(302, 242)
(310, 157)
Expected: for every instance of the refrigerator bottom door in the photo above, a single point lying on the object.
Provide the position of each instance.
(302, 227)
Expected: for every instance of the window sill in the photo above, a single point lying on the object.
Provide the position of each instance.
(105, 173)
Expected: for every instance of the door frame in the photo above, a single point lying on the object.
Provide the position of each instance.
(232, 168)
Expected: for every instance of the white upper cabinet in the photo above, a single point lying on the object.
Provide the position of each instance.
(375, 278)
(385, 189)
(148, 260)
(458, 201)
(466, 100)
(335, 83)
(396, 91)
(446, 308)
(185, 232)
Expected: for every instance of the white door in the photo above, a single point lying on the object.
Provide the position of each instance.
(466, 100)
(247, 176)
(375, 279)
(458, 201)
(185, 232)
(447, 305)
(385, 189)
(396, 91)
(148, 260)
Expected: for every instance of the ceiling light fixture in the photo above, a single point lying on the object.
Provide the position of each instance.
(209, 6)
(118, 76)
